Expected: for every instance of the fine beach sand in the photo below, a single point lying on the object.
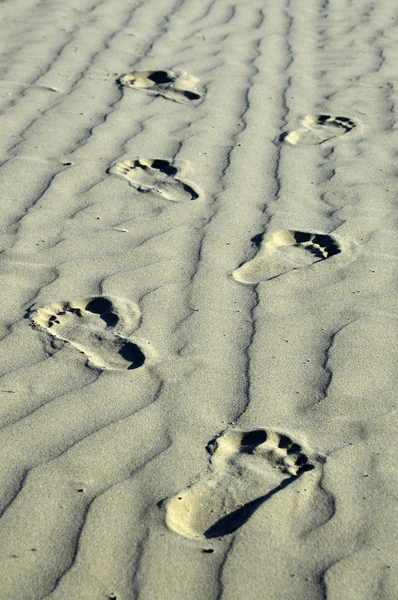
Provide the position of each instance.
(199, 277)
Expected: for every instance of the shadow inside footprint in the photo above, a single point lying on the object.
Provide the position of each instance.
(103, 307)
(320, 245)
(257, 239)
(254, 438)
(161, 77)
(333, 121)
(234, 520)
(283, 251)
(162, 165)
(283, 136)
(177, 86)
(133, 354)
(157, 175)
(242, 464)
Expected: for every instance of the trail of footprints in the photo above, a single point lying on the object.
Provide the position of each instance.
(246, 467)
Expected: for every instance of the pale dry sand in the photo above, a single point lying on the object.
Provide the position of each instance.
(199, 294)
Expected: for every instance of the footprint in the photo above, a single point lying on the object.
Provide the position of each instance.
(317, 129)
(91, 325)
(246, 469)
(176, 86)
(154, 174)
(285, 251)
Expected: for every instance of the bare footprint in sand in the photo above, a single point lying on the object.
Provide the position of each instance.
(316, 129)
(176, 86)
(152, 174)
(247, 468)
(92, 326)
(285, 251)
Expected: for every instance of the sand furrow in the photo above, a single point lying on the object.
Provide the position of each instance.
(71, 495)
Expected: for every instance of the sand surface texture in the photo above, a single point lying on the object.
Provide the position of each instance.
(199, 273)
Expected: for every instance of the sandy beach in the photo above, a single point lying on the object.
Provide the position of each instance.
(199, 292)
